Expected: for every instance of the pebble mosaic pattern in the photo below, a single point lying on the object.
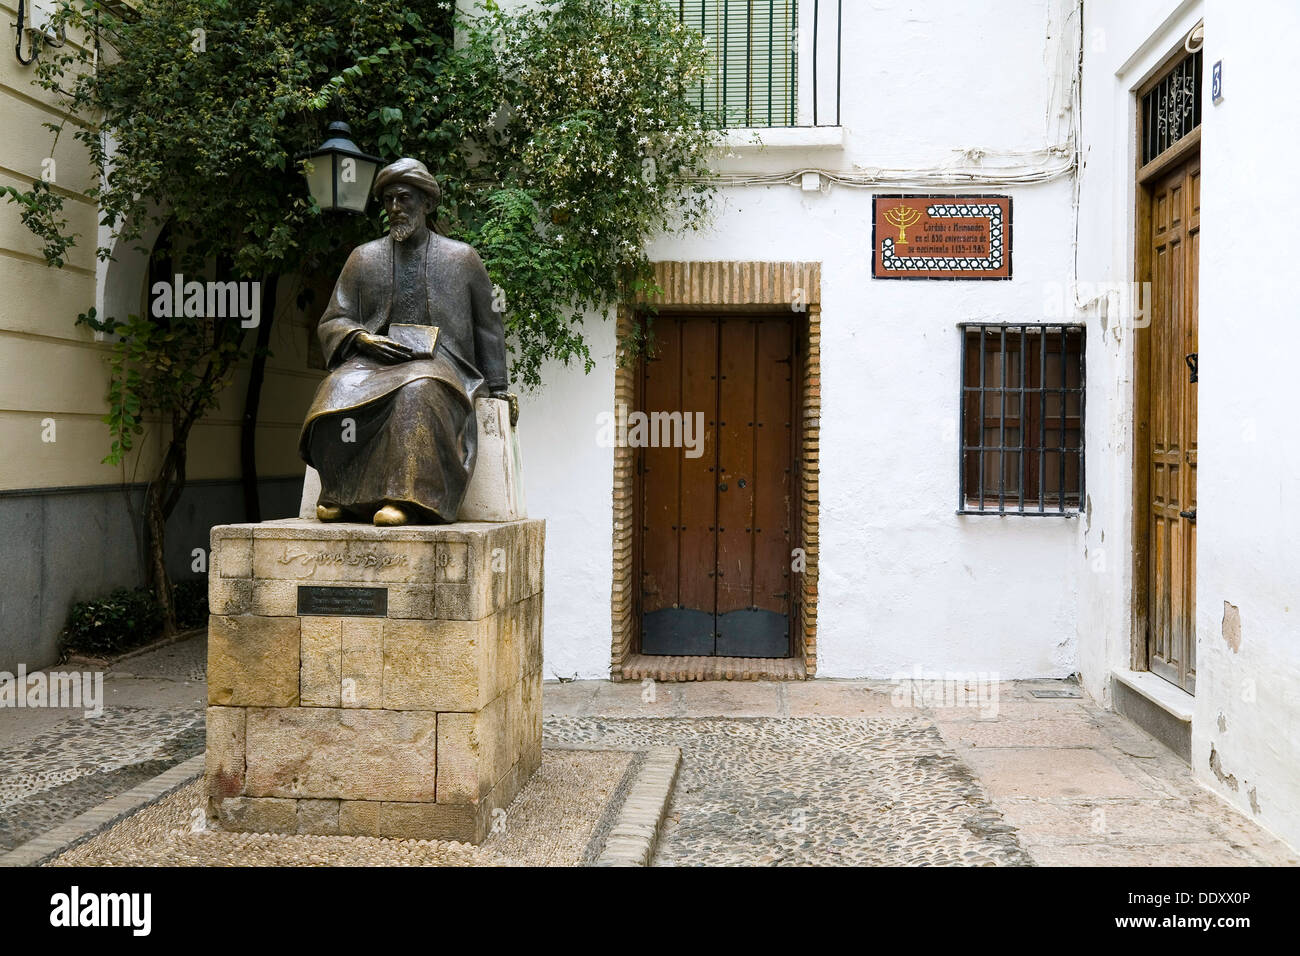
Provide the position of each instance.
(559, 819)
(80, 763)
(881, 791)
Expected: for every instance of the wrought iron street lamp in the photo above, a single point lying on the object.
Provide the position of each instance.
(338, 174)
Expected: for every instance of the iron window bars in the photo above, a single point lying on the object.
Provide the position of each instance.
(755, 48)
(1172, 108)
(1022, 403)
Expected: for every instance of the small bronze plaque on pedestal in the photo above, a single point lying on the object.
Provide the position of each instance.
(342, 601)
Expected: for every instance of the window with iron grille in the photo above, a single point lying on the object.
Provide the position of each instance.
(753, 47)
(1022, 398)
(1172, 108)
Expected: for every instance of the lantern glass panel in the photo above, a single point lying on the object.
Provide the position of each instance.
(355, 178)
(320, 180)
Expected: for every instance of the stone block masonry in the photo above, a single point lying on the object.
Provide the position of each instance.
(369, 681)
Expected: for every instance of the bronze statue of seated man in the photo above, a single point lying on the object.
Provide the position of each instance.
(411, 339)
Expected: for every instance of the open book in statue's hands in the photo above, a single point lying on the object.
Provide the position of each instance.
(422, 340)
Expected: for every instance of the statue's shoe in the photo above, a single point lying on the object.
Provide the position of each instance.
(390, 515)
(330, 513)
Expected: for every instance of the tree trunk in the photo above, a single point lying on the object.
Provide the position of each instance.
(159, 583)
(252, 401)
(161, 498)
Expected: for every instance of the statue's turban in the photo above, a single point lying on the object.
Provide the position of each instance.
(412, 172)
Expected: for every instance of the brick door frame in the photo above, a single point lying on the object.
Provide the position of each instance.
(723, 287)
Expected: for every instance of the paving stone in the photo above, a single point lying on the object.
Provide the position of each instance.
(1075, 730)
(631, 699)
(569, 698)
(1052, 772)
(839, 699)
(732, 698)
(1153, 821)
(1012, 709)
(1114, 854)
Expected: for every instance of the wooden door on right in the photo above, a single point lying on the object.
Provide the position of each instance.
(1172, 361)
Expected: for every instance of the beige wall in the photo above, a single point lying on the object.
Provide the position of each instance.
(52, 369)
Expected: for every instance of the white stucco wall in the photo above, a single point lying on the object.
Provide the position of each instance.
(1248, 509)
(905, 582)
(1122, 47)
(1247, 701)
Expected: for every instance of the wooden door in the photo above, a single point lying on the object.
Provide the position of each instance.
(1175, 212)
(717, 527)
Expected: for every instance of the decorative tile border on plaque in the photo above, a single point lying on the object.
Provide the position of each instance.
(739, 287)
(941, 237)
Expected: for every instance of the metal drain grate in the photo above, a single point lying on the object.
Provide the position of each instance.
(1053, 692)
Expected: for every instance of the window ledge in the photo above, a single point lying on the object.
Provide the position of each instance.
(1173, 700)
(784, 137)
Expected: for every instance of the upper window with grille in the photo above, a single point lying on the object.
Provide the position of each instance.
(753, 48)
(1172, 108)
(1022, 400)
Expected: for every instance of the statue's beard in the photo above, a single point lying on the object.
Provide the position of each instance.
(402, 229)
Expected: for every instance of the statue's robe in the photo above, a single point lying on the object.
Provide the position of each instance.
(412, 423)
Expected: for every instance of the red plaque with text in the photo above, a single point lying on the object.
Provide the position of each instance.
(941, 237)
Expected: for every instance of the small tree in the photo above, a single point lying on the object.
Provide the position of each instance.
(564, 135)
(177, 371)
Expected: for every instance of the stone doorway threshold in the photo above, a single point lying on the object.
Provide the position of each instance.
(638, 667)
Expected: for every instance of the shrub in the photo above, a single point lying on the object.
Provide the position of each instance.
(191, 600)
(110, 625)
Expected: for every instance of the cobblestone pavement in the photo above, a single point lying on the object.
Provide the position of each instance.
(55, 764)
(559, 819)
(812, 791)
(872, 779)
(778, 773)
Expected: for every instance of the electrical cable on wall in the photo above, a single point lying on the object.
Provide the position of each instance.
(36, 38)
(1048, 164)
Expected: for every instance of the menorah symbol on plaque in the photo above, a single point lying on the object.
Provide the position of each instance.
(902, 217)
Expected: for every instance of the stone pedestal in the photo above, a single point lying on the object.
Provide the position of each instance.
(373, 681)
